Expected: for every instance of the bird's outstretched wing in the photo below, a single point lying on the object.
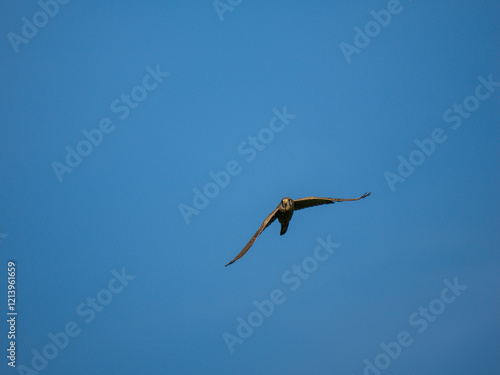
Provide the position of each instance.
(301, 203)
(265, 224)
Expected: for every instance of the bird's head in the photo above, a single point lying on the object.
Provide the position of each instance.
(287, 203)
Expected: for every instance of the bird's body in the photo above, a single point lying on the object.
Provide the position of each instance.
(284, 213)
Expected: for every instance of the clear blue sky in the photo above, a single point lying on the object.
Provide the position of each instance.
(116, 115)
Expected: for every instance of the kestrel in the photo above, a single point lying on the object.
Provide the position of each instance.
(284, 213)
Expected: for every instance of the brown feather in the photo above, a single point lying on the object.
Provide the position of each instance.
(284, 213)
(265, 224)
(316, 201)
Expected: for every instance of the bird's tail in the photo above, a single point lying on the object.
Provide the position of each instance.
(284, 227)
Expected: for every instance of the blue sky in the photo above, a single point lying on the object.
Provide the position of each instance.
(112, 277)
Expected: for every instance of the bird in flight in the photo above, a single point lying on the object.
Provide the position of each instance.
(284, 213)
